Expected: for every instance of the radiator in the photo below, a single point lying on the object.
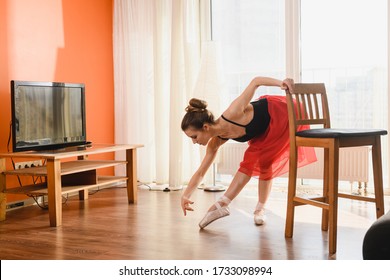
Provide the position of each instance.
(353, 166)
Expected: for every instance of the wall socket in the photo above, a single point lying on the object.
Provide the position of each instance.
(28, 164)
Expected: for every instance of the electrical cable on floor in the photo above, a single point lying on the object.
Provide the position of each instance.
(144, 184)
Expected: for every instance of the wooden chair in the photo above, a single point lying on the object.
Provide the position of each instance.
(313, 110)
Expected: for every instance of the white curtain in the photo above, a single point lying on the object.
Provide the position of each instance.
(156, 57)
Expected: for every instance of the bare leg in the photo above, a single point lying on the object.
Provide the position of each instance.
(238, 183)
(264, 190)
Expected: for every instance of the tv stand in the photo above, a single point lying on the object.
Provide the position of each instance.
(88, 144)
(62, 177)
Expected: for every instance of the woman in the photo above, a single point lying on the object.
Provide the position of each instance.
(264, 124)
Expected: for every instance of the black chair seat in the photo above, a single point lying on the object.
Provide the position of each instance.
(339, 133)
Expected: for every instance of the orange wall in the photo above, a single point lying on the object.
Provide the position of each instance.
(62, 41)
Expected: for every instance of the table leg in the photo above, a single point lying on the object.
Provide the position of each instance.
(83, 194)
(54, 191)
(131, 173)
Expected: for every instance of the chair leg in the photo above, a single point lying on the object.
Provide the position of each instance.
(333, 195)
(325, 191)
(292, 185)
(378, 179)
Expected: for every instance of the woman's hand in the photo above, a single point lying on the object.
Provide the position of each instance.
(288, 84)
(185, 205)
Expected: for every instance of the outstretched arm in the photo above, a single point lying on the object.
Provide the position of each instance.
(196, 179)
(239, 105)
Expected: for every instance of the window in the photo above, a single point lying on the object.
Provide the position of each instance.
(349, 54)
(344, 45)
(252, 41)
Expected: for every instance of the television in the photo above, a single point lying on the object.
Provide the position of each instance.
(47, 115)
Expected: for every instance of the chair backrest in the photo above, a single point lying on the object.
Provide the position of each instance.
(313, 106)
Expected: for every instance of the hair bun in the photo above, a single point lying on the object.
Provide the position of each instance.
(196, 105)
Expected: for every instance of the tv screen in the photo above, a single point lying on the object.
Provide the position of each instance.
(47, 115)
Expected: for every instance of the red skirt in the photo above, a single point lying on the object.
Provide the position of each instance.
(267, 156)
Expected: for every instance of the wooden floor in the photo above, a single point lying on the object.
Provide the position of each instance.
(106, 227)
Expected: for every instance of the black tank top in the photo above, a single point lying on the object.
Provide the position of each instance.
(258, 125)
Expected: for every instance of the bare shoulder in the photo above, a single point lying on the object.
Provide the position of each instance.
(237, 113)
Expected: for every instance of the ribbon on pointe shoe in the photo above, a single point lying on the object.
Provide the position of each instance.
(213, 215)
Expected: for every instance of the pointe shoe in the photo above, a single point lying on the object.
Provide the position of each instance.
(259, 217)
(213, 215)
